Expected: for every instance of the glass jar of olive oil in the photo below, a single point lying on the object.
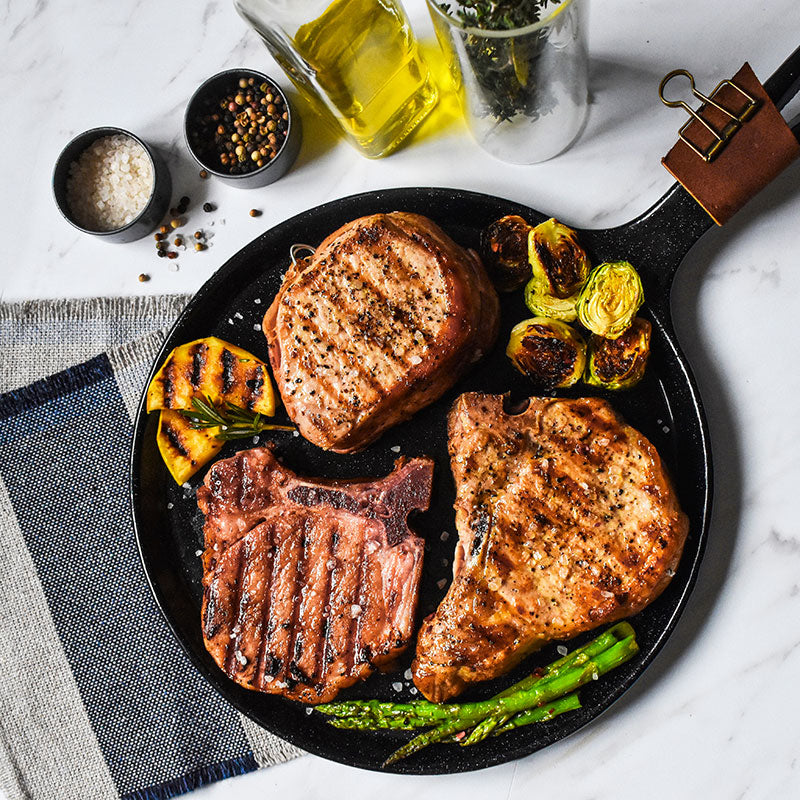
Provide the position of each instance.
(356, 61)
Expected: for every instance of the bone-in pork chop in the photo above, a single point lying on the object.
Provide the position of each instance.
(383, 319)
(309, 585)
(566, 520)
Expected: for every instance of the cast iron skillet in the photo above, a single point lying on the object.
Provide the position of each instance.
(665, 406)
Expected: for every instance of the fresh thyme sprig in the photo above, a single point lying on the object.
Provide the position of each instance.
(507, 70)
(231, 421)
(496, 15)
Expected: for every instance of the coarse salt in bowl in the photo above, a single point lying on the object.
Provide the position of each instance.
(108, 182)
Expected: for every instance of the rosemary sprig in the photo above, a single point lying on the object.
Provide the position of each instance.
(231, 421)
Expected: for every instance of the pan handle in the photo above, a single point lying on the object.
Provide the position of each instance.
(667, 230)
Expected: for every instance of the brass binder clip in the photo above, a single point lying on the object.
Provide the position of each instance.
(720, 135)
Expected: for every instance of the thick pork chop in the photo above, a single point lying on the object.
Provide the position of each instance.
(566, 520)
(309, 585)
(385, 317)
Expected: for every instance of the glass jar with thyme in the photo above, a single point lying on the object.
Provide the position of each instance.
(520, 68)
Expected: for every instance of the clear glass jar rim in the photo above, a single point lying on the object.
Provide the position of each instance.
(502, 34)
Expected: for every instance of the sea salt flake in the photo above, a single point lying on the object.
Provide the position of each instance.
(442, 583)
(407, 674)
(355, 610)
(240, 657)
(295, 433)
(257, 326)
(595, 676)
(257, 301)
(230, 321)
(415, 360)
(445, 536)
(309, 711)
(238, 315)
(665, 429)
(397, 686)
(395, 449)
(170, 505)
(198, 553)
(256, 439)
(561, 650)
(413, 690)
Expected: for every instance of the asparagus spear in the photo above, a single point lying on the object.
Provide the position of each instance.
(569, 702)
(376, 714)
(581, 655)
(544, 691)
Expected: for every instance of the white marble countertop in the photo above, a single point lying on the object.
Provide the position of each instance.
(716, 714)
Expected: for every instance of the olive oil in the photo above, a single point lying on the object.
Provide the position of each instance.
(357, 61)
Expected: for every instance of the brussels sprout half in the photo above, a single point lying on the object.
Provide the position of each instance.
(548, 351)
(610, 299)
(619, 363)
(544, 304)
(504, 248)
(560, 265)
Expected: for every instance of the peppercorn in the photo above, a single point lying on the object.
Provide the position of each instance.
(250, 111)
(199, 246)
(164, 229)
(162, 245)
(162, 253)
(172, 254)
(203, 174)
(158, 236)
(198, 234)
(208, 207)
(178, 241)
(184, 201)
(144, 277)
(175, 222)
(255, 212)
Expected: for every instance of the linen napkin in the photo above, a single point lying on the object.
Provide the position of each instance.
(97, 700)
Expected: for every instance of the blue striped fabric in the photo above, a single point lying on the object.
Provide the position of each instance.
(64, 444)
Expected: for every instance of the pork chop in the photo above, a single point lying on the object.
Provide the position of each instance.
(308, 585)
(566, 520)
(386, 316)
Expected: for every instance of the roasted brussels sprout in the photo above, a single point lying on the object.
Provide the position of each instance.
(619, 363)
(548, 351)
(560, 265)
(504, 247)
(544, 304)
(610, 299)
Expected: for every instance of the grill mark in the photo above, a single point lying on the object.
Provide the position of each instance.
(295, 634)
(354, 632)
(168, 382)
(260, 667)
(323, 638)
(228, 361)
(174, 437)
(198, 364)
(255, 385)
(232, 644)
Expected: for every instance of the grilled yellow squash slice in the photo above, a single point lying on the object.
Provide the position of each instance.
(184, 449)
(214, 369)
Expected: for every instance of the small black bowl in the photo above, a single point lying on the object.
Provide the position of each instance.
(148, 217)
(216, 87)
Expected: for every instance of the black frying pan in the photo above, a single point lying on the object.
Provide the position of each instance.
(665, 406)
